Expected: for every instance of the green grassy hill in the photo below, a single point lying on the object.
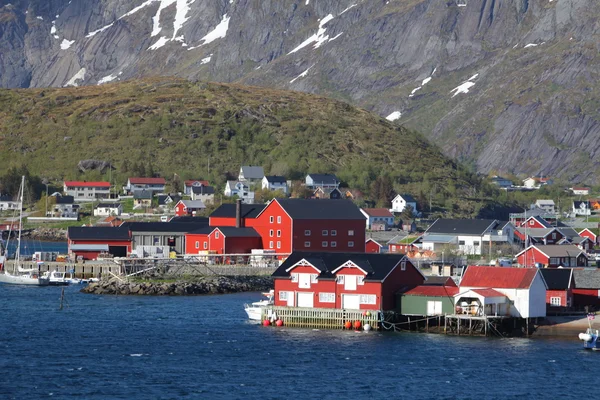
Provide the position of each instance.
(168, 126)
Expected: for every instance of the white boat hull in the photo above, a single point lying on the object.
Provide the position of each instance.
(23, 280)
(254, 313)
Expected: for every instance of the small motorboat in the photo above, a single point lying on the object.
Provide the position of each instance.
(56, 278)
(590, 336)
(254, 310)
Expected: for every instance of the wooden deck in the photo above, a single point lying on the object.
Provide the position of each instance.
(321, 318)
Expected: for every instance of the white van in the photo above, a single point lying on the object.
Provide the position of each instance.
(164, 218)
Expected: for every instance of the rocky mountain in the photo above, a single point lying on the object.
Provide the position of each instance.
(507, 85)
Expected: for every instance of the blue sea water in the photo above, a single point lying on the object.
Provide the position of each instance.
(117, 347)
(28, 247)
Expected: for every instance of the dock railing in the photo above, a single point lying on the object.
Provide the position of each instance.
(321, 318)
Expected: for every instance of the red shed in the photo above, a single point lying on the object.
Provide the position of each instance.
(586, 291)
(372, 246)
(559, 295)
(553, 256)
(89, 242)
(590, 235)
(364, 281)
(535, 222)
(222, 240)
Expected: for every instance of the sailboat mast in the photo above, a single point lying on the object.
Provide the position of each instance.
(18, 253)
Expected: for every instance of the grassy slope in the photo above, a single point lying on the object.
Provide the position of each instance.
(180, 127)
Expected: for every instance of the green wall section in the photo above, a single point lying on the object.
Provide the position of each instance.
(417, 305)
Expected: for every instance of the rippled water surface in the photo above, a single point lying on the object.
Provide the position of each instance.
(111, 347)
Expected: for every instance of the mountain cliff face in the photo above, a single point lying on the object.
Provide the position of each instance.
(508, 85)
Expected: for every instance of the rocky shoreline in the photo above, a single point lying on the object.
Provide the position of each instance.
(47, 234)
(199, 286)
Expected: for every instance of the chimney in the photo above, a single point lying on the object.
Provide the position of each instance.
(238, 213)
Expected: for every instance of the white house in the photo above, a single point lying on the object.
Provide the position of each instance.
(582, 208)
(546, 205)
(535, 182)
(87, 191)
(155, 185)
(275, 182)
(324, 181)
(108, 209)
(251, 174)
(7, 203)
(468, 236)
(401, 201)
(582, 191)
(189, 184)
(239, 189)
(65, 207)
(378, 216)
(524, 291)
(204, 193)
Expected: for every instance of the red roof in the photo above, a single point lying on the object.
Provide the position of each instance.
(498, 277)
(147, 181)
(378, 212)
(87, 184)
(435, 291)
(581, 188)
(190, 182)
(488, 293)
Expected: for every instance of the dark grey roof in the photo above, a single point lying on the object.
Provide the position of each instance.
(436, 280)
(162, 198)
(321, 209)
(461, 226)
(275, 179)
(408, 198)
(175, 227)
(65, 199)
(248, 210)
(108, 205)
(203, 190)
(251, 172)
(557, 279)
(587, 278)
(577, 203)
(142, 194)
(97, 233)
(189, 219)
(568, 232)
(229, 231)
(324, 179)
(377, 266)
(559, 250)
(7, 197)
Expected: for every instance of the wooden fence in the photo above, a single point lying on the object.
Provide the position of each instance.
(320, 318)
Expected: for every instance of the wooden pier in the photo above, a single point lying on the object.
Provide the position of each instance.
(321, 318)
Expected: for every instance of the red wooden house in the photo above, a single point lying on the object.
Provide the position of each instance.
(404, 244)
(189, 207)
(590, 235)
(559, 294)
(222, 240)
(344, 281)
(89, 242)
(371, 246)
(586, 291)
(552, 256)
(535, 222)
(288, 225)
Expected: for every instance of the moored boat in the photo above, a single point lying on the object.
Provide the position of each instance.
(254, 310)
(590, 336)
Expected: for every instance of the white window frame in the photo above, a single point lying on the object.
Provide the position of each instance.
(555, 301)
(326, 297)
(313, 278)
(324, 244)
(333, 232)
(306, 244)
(271, 219)
(368, 299)
(278, 232)
(324, 232)
(307, 232)
(279, 219)
(360, 280)
(333, 244)
(205, 245)
(216, 235)
(350, 244)
(351, 232)
(271, 244)
(278, 244)
(340, 281)
(294, 277)
(271, 232)
(403, 266)
(197, 244)
(283, 295)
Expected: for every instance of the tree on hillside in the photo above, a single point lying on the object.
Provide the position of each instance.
(382, 190)
(265, 195)
(408, 214)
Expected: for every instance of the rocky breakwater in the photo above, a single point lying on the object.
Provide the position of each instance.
(199, 286)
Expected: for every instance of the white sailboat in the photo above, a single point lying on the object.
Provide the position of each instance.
(20, 275)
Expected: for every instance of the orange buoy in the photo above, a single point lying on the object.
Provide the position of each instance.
(279, 322)
(364, 313)
(266, 322)
(357, 324)
(348, 325)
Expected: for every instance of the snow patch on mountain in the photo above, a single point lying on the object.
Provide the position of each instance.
(206, 60)
(302, 75)
(219, 32)
(79, 76)
(318, 38)
(159, 43)
(394, 116)
(66, 44)
(465, 86)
